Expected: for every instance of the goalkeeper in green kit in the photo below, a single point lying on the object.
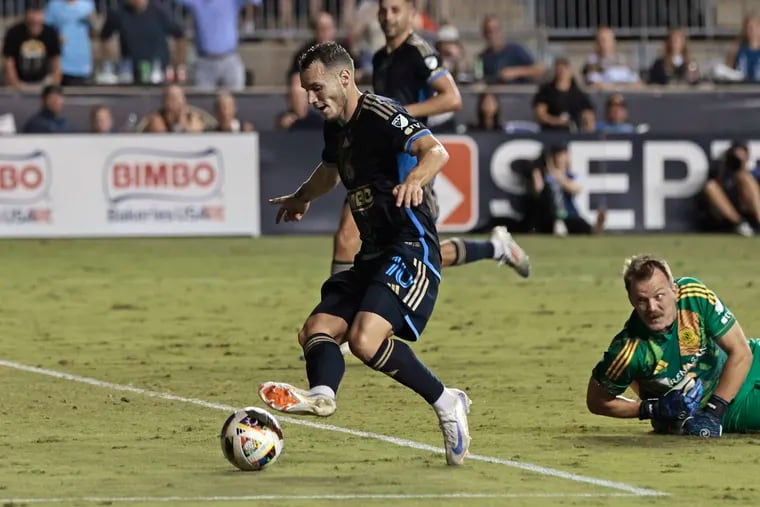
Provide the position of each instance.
(685, 355)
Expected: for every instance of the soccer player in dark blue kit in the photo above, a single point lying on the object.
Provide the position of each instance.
(411, 72)
(387, 160)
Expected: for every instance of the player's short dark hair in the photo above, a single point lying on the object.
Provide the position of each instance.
(331, 54)
(641, 267)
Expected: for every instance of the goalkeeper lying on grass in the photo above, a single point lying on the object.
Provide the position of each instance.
(684, 353)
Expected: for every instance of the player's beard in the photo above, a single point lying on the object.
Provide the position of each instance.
(394, 30)
(335, 106)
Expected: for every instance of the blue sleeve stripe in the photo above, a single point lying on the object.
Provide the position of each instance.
(410, 141)
(438, 74)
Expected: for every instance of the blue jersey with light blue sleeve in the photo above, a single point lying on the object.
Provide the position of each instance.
(373, 155)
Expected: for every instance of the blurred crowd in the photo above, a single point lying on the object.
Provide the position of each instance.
(52, 47)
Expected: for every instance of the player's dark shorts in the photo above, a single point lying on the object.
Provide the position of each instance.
(400, 285)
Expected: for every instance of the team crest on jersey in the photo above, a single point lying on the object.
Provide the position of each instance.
(400, 121)
(688, 341)
(688, 336)
(431, 62)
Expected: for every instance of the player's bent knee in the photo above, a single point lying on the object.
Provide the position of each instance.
(362, 346)
(324, 324)
(363, 343)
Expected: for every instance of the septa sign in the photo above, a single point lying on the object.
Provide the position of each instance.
(457, 185)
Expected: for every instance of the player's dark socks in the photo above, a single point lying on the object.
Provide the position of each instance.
(324, 361)
(470, 251)
(338, 266)
(396, 359)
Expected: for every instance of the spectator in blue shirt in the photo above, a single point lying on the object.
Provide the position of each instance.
(506, 62)
(218, 63)
(48, 120)
(746, 57)
(72, 19)
(616, 117)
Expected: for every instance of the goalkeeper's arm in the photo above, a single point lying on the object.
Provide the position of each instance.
(600, 402)
(677, 404)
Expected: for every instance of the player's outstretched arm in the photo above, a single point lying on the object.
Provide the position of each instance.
(294, 206)
(675, 405)
(431, 157)
(600, 402)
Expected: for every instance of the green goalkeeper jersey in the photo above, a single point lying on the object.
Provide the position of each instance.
(655, 362)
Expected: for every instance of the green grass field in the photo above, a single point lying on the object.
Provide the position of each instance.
(211, 319)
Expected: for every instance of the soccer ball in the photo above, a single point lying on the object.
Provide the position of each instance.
(251, 439)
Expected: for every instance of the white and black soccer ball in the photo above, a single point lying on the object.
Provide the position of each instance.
(251, 439)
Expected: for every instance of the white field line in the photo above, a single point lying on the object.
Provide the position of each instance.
(551, 472)
(248, 498)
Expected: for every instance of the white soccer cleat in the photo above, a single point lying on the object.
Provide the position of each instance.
(744, 229)
(514, 256)
(456, 432)
(291, 400)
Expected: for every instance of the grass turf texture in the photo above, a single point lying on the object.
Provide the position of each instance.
(213, 318)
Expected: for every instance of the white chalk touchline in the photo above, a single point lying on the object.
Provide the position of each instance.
(244, 498)
(551, 472)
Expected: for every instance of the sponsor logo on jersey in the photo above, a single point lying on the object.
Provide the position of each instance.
(431, 62)
(361, 199)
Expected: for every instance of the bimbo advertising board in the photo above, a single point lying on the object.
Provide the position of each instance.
(129, 185)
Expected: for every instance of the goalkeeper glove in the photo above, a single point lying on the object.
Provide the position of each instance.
(676, 404)
(707, 422)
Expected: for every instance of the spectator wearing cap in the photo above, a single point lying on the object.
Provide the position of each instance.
(561, 105)
(504, 62)
(555, 187)
(452, 52)
(74, 20)
(218, 63)
(48, 119)
(143, 27)
(32, 50)
(615, 117)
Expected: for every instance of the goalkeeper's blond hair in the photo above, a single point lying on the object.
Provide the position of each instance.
(641, 267)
